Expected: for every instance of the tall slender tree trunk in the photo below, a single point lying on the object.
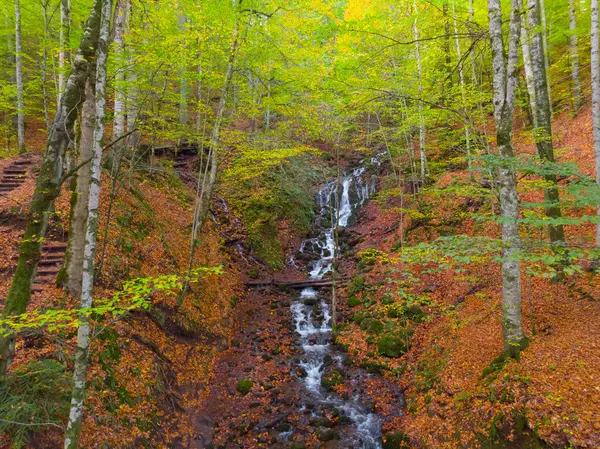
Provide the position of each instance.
(121, 17)
(45, 65)
(422, 149)
(505, 87)
(183, 84)
(545, 50)
(80, 195)
(49, 182)
(121, 13)
(64, 43)
(461, 78)
(19, 79)
(525, 38)
(209, 177)
(543, 129)
(573, 50)
(595, 63)
(83, 333)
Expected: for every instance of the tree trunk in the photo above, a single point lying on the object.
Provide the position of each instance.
(575, 78)
(461, 78)
(45, 65)
(121, 13)
(19, 79)
(422, 150)
(543, 129)
(49, 181)
(528, 69)
(595, 63)
(64, 43)
(183, 87)
(504, 87)
(208, 178)
(79, 203)
(121, 17)
(83, 333)
(542, 16)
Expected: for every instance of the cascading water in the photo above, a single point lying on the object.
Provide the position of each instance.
(311, 314)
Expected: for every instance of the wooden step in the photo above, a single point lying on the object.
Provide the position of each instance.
(22, 162)
(50, 262)
(48, 272)
(54, 249)
(14, 171)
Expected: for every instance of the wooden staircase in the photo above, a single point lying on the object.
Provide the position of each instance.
(53, 256)
(14, 175)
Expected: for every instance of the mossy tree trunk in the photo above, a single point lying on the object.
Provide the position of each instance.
(49, 181)
(543, 118)
(83, 333)
(504, 89)
(80, 195)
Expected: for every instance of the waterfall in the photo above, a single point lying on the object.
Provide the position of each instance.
(311, 314)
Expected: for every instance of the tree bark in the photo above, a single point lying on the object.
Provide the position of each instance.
(504, 86)
(543, 128)
(595, 63)
(528, 69)
(83, 333)
(461, 78)
(64, 43)
(542, 9)
(19, 79)
(573, 50)
(206, 186)
(80, 195)
(422, 149)
(49, 181)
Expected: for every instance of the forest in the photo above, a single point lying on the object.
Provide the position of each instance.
(337, 224)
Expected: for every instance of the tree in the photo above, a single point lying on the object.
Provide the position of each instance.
(504, 93)
(422, 150)
(91, 235)
(19, 79)
(575, 78)
(543, 121)
(595, 63)
(79, 203)
(49, 181)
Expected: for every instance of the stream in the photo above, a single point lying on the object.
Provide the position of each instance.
(311, 311)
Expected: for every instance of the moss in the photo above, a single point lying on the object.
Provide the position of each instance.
(371, 325)
(353, 301)
(332, 379)
(395, 440)
(392, 346)
(244, 386)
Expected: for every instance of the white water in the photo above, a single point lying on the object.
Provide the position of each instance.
(315, 334)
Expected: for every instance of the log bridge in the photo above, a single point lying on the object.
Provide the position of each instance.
(294, 284)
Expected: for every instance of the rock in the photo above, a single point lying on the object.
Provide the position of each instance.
(391, 346)
(395, 440)
(325, 434)
(310, 301)
(332, 379)
(244, 386)
(371, 325)
(283, 427)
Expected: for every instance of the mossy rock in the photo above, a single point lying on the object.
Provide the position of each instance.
(353, 301)
(244, 386)
(371, 325)
(332, 379)
(395, 440)
(360, 316)
(392, 346)
(325, 434)
(415, 313)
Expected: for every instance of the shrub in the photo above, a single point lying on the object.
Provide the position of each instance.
(34, 397)
(244, 386)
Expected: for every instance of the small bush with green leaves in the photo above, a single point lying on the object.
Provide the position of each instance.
(32, 398)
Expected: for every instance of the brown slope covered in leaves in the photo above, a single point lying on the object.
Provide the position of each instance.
(555, 389)
(147, 369)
